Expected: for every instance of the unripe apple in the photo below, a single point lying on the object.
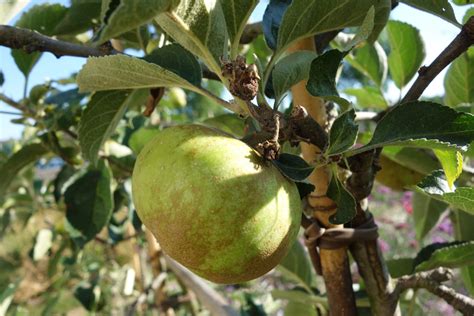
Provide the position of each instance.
(214, 204)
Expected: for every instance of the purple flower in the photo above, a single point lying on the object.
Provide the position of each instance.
(446, 226)
(438, 239)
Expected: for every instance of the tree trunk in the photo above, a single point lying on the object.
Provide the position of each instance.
(334, 262)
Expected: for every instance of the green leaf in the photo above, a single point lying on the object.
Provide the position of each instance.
(229, 123)
(141, 137)
(417, 159)
(6, 297)
(459, 81)
(467, 15)
(299, 309)
(364, 31)
(426, 213)
(199, 27)
(89, 202)
(343, 133)
(463, 223)
(297, 266)
(441, 8)
(449, 255)
(437, 187)
(305, 18)
(406, 52)
(462, 2)
(81, 16)
(304, 189)
(400, 267)
(346, 204)
(124, 72)
(371, 61)
(451, 161)
(236, 15)
(423, 124)
(101, 117)
(19, 160)
(368, 97)
(322, 76)
(294, 167)
(124, 15)
(290, 70)
(297, 296)
(178, 60)
(41, 18)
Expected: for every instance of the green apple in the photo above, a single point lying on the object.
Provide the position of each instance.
(214, 204)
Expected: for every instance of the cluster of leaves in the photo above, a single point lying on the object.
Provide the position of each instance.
(97, 130)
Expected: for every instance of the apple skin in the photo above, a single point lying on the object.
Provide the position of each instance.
(214, 205)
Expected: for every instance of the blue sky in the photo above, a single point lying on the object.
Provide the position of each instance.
(436, 34)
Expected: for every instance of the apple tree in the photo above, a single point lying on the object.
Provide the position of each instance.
(247, 147)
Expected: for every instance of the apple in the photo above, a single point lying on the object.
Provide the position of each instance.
(214, 204)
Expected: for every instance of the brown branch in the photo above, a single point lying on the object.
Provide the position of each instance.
(251, 32)
(17, 105)
(459, 45)
(431, 281)
(31, 41)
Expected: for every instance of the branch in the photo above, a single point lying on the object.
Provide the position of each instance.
(17, 105)
(431, 281)
(251, 32)
(31, 41)
(459, 45)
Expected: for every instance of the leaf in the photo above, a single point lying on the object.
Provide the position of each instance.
(437, 187)
(298, 309)
(229, 123)
(462, 2)
(101, 117)
(343, 133)
(449, 255)
(407, 52)
(322, 76)
(426, 213)
(44, 241)
(19, 160)
(41, 18)
(297, 266)
(90, 296)
(290, 70)
(346, 204)
(89, 202)
(81, 16)
(271, 21)
(463, 223)
(178, 60)
(124, 72)
(294, 167)
(459, 81)
(400, 267)
(451, 161)
(364, 30)
(467, 15)
(199, 27)
(368, 97)
(6, 297)
(415, 159)
(304, 18)
(423, 124)
(441, 8)
(236, 15)
(141, 137)
(125, 15)
(304, 189)
(371, 61)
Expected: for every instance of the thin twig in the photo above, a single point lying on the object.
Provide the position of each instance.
(431, 281)
(13, 103)
(251, 32)
(31, 41)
